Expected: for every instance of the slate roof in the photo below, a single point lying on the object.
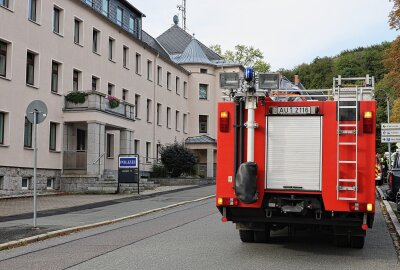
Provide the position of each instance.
(203, 139)
(175, 40)
(153, 43)
(193, 54)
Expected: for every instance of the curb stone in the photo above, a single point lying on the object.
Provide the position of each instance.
(40, 237)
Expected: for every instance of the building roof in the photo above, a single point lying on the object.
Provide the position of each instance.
(175, 40)
(193, 54)
(133, 8)
(153, 43)
(203, 139)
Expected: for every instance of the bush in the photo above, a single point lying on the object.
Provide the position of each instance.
(76, 97)
(113, 101)
(158, 170)
(177, 159)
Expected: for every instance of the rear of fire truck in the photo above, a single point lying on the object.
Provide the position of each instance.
(291, 157)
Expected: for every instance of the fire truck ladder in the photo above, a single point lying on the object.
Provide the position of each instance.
(347, 98)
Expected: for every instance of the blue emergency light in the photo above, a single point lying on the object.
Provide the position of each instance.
(248, 74)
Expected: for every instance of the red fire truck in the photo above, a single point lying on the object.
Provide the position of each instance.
(291, 157)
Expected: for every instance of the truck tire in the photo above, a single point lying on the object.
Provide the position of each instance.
(357, 241)
(341, 240)
(262, 236)
(247, 236)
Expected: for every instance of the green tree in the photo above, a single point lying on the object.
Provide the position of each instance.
(395, 113)
(177, 159)
(394, 15)
(248, 56)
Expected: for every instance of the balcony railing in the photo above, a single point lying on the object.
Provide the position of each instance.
(75, 160)
(98, 101)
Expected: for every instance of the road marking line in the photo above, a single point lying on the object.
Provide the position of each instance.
(36, 238)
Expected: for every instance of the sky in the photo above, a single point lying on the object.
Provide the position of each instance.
(288, 32)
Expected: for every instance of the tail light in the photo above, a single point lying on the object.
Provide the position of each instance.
(361, 207)
(227, 201)
(390, 180)
(368, 122)
(224, 121)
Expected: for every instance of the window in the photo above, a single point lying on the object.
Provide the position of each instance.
(203, 123)
(148, 149)
(125, 94)
(104, 7)
(177, 85)
(80, 140)
(30, 68)
(159, 114)
(138, 66)
(95, 82)
(56, 20)
(2, 124)
(136, 145)
(28, 133)
(25, 183)
(111, 49)
(203, 70)
(184, 123)
(50, 183)
(96, 41)
(78, 28)
(4, 3)
(149, 70)
(54, 77)
(137, 105)
(159, 75)
(185, 89)
(125, 57)
(76, 77)
(3, 58)
(110, 145)
(32, 10)
(131, 24)
(120, 15)
(177, 120)
(110, 89)
(203, 91)
(158, 148)
(148, 110)
(89, 2)
(1, 182)
(53, 136)
(168, 80)
(168, 117)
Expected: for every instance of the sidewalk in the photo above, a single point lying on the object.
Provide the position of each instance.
(65, 211)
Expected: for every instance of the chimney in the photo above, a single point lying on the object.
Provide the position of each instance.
(296, 80)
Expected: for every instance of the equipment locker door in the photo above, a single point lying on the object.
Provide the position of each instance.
(294, 153)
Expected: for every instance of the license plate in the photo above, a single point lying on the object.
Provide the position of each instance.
(294, 110)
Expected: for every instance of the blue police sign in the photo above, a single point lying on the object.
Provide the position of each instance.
(128, 162)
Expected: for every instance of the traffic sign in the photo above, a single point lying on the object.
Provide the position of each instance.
(39, 108)
(390, 125)
(386, 132)
(390, 139)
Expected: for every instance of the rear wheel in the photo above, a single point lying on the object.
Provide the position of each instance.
(357, 241)
(246, 236)
(262, 236)
(341, 240)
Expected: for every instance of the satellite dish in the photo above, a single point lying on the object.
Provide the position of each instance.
(176, 19)
(39, 107)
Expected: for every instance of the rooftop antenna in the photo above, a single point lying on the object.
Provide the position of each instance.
(183, 9)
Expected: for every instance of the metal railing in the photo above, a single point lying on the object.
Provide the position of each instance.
(98, 101)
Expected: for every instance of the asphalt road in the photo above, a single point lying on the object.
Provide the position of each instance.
(192, 237)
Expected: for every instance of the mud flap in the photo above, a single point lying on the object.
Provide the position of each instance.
(246, 183)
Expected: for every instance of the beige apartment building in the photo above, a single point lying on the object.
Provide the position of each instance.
(167, 88)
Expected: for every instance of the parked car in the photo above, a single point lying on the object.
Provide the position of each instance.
(378, 172)
(394, 180)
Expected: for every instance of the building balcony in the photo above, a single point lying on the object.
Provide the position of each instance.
(96, 101)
